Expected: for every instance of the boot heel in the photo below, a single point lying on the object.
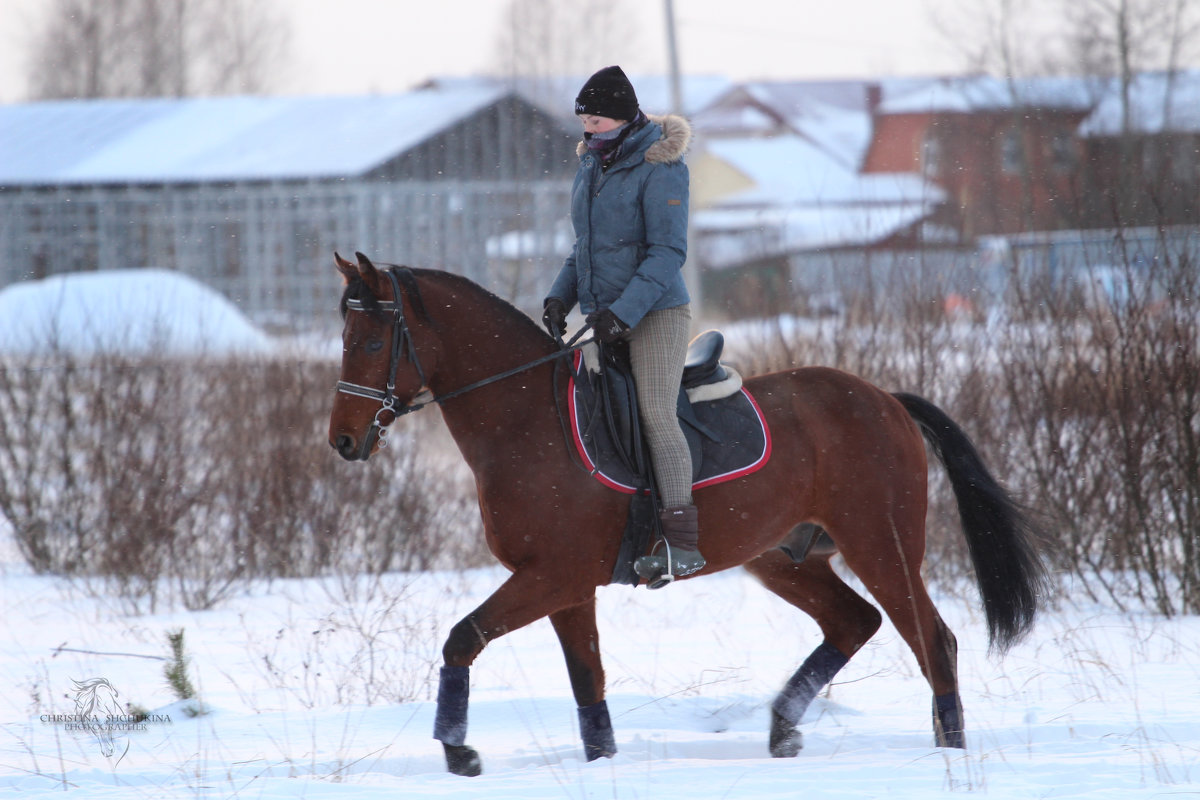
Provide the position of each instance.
(680, 534)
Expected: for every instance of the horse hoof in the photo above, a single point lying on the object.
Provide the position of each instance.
(786, 739)
(462, 760)
(593, 753)
(947, 721)
(956, 739)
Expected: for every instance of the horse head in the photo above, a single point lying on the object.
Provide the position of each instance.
(381, 375)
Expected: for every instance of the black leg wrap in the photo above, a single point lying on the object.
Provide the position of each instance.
(948, 721)
(450, 724)
(595, 728)
(816, 671)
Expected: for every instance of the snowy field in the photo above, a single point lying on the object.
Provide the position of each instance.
(1095, 704)
(318, 689)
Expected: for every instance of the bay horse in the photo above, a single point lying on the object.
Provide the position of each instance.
(846, 456)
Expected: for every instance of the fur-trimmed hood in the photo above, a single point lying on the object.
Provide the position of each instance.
(675, 140)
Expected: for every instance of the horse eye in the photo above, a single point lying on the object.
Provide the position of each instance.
(374, 346)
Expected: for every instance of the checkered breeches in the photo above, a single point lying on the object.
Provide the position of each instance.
(657, 350)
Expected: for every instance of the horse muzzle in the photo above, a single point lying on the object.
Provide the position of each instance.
(350, 449)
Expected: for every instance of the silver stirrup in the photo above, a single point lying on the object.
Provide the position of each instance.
(668, 577)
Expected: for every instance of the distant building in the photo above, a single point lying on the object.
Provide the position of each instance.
(253, 194)
(781, 209)
(1142, 154)
(1005, 152)
(797, 186)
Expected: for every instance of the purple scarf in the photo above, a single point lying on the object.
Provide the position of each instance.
(607, 144)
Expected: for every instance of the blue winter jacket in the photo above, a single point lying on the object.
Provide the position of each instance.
(630, 225)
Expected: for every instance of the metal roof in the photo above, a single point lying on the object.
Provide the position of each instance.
(789, 171)
(968, 94)
(556, 96)
(804, 198)
(1158, 103)
(222, 138)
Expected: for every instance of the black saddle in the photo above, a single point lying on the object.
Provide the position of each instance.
(726, 435)
(618, 404)
(703, 362)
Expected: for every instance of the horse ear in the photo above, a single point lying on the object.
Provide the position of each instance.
(344, 267)
(364, 264)
(369, 274)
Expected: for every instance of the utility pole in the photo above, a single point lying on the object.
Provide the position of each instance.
(691, 267)
(673, 59)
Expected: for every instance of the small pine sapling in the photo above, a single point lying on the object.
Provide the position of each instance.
(176, 674)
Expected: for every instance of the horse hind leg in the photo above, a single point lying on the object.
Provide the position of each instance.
(897, 585)
(847, 622)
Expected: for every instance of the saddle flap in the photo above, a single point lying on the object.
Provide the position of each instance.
(728, 437)
(618, 395)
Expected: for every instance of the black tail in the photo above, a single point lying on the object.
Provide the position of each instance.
(1000, 536)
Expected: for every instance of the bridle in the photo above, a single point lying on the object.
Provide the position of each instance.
(402, 346)
(401, 341)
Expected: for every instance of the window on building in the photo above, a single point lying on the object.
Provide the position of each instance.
(1185, 159)
(1012, 151)
(932, 154)
(1151, 158)
(1063, 155)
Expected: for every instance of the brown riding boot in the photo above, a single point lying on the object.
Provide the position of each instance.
(681, 535)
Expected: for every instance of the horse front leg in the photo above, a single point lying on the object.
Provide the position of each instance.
(576, 629)
(520, 600)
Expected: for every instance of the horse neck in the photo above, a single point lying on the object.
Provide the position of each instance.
(484, 337)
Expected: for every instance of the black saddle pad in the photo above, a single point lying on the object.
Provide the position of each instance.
(728, 437)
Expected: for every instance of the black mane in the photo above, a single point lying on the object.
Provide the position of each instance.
(356, 289)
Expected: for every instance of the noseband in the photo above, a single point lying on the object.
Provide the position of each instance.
(401, 342)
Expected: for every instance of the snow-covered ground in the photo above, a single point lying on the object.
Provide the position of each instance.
(1095, 704)
(324, 688)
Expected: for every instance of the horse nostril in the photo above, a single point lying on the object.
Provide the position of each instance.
(344, 444)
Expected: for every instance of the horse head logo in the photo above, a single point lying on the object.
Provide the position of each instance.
(96, 707)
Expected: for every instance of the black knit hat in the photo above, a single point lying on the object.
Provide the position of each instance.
(608, 93)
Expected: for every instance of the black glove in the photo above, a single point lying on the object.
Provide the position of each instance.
(607, 326)
(554, 316)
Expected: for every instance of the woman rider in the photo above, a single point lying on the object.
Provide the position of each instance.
(629, 210)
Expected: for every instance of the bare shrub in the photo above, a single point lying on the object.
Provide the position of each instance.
(1081, 387)
(1103, 391)
(180, 481)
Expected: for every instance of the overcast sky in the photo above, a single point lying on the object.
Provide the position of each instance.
(357, 46)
